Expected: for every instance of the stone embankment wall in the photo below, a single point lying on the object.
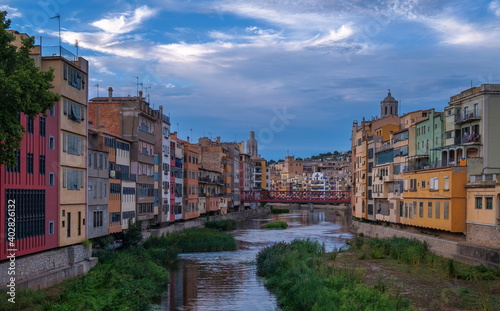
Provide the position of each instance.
(48, 268)
(460, 251)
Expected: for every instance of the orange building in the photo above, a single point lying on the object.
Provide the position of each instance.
(435, 198)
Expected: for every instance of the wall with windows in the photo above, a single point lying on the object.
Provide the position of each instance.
(128, 200)
(435, 198)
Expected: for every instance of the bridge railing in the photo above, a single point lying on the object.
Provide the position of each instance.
(296, 196)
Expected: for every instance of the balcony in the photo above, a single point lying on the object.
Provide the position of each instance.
(467, 117)
(145, 158)
(384, 148)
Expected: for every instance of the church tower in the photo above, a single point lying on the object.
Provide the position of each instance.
(389, 106)
(252, 145)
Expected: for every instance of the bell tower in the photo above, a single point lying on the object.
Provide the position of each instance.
(389, 106)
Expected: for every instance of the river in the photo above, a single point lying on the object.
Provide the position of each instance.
(228, 280)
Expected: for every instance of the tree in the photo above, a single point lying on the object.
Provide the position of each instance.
(23, 88)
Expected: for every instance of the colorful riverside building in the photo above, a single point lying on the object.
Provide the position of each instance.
(190, 208)
(133, 119)
(446, 175)
(176, 177)
(162, 148)
(48, 182)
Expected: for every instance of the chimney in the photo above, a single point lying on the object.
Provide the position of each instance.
(110, 94)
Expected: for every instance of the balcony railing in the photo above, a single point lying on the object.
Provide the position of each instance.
(59, 51)
(384, 148)
(464, 117)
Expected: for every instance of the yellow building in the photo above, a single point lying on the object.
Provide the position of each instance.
(483, 210)
(435, 198)
(71, 82)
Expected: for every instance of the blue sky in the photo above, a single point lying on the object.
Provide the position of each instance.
(298, 73)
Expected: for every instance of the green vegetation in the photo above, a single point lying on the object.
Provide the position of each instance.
(279, 210)
(300, 277)
(195, 240)
(222, 225)
(275, 225)
(437, 283)
(24, 87)
(127, 279)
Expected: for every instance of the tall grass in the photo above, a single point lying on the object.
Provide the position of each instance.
(275, 225)
(195, 240)
(299, 276)
(222, 225)
(279, 210)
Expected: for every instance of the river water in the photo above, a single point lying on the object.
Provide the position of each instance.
(228, 280)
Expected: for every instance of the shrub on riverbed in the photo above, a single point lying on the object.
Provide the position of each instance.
(275, 225)
(299, 276)
(279, 210)
(196, 240)
(222, 225)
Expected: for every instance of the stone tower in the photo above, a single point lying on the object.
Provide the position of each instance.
(389, 106)
(252, 149)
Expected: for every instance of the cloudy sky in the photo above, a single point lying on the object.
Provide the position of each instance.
(297, 72)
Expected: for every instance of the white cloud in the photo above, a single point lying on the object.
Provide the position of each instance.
(124, 22)
(495, 7)
(12, 12)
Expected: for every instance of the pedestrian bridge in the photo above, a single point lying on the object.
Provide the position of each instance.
(326, 197)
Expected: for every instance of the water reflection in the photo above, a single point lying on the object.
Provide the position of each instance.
(228, 280)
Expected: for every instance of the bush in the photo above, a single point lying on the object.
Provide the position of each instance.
(222, 225)
(279, 210)
(197, 240)
(275, 225)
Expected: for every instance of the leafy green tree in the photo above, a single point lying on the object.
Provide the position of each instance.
(133, 236)
(23, 88)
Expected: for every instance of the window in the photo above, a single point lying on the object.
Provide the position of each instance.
(51, 227)
(421, 209)
(30, 214)
(73, 144)
(41, 164)
(52, 111)
(423, 184)
(446, 211)
(52, 144)
(479, 202)
(489, 202)
(74, 77)
(74, 111)
(42, 126)
(73, 179)
(115, 217)
(29, 125)
(29, 163)
(90, 159)
(51, 179)
(97, 219)
(429, 210)
(434, 183)
(438, 210)
(446, 182)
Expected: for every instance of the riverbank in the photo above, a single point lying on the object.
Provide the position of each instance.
(130, 278)
(382, 274)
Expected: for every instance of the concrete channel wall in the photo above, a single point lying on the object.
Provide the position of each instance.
(460, 251)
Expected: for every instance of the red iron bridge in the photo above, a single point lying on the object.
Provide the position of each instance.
(332, 197)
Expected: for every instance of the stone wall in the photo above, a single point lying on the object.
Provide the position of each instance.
(48, 268)
(487, 236)
(467, 253)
